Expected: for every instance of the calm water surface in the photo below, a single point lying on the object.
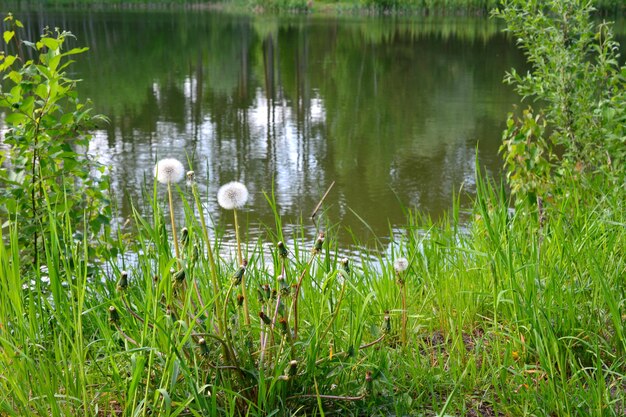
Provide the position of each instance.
(391, 110)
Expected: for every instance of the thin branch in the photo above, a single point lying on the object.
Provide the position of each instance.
(327, 397)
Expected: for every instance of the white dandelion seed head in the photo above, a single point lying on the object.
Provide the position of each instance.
(400, 265)
(191, 178)
(232, 195)
(169, 170)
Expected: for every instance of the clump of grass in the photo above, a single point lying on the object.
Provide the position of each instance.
(483, 322)
(270, 362)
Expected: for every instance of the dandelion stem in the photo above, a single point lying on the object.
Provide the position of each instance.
(243, 277)
(404, 314)
(400, 265)
(239, 254)
(169, 194)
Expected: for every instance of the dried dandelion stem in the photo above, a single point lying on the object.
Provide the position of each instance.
(327, 397)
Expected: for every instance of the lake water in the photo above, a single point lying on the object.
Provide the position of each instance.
(392, 110)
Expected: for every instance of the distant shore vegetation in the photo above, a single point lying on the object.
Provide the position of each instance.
(420, 7)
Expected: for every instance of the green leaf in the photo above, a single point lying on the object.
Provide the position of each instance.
(67, 118)
(74, 51)
(15, 76)
(29, 44)
(44, 71)
(54, 87)
(27, 105)
(51, 43)
(8, 61)
(8, 35)
(167, 399)
(11, 206)
(53, 63)
(15, 95)
(65, 65)
(15, 119)
(42, 91)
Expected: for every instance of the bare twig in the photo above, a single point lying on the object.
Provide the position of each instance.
(316, 209)
(327, 397)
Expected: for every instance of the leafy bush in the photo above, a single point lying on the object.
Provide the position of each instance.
(46, 169)
(580, 86)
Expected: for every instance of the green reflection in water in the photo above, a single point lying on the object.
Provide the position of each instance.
(391, 109)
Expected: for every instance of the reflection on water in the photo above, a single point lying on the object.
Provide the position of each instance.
(391, 110)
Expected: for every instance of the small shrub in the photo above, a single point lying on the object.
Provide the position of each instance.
(580, 86)
(46, 168)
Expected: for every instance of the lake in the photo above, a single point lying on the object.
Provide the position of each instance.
(393, 110)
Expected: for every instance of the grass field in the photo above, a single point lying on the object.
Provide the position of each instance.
(510, 315)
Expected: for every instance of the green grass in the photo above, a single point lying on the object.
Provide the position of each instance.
(504, 315)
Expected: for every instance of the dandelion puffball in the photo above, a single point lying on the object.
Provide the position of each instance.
(400, 265)
(232, 195)
(169, 170)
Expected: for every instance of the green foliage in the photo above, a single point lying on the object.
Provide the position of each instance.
(607, 7)
(581, 90)
(433, 6)
(46, 166)
(281, 5)
(527, 157)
